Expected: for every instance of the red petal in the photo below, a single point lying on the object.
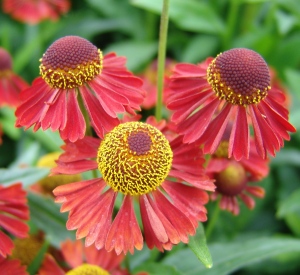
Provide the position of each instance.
(75, 125)
(239, 143)
(124, 234)
(6, 245)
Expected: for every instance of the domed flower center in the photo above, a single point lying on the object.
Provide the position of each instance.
(232, 180)
(5, 62)
(239, 76)
(222, 150)
(27, 249)
(70, 62)
(134, 158)
(87, 269)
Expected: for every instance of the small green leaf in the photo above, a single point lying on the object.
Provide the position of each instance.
(198, 245)
(289, 205)
(36, 263)
(26, 176)
(45, 214)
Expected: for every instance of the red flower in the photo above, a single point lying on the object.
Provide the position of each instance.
(11, 267)
(138, 164)
(10, 83)
(234, 178)
(73, 70)
(13, 212)
(32, 11)
(76, 256)
(233, 86)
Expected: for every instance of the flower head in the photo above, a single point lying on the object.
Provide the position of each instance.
(140, 165)
(234, 179)
(235, 86)
(33, 12)
(82, 259)
(10, 83)
(13, 212)
(74, 71)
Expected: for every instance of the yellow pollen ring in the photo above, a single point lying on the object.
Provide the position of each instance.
(225, 92)
(139, 171)
(69, 78)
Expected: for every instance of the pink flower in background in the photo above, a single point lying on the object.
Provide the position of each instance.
(35, 11)
(10, 83)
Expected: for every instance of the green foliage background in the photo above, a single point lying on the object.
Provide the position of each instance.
(263, 241)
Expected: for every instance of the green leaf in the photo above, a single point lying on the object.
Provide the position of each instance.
(229, 257)
(189, 15)
(48, 139)
(287, 157)
(45, 214)
(285, 22)
(36, 263)
(136, 52)
(198, 245)
(27, 157)
(289, 205)
(292, 77)
(157, 269)
(26, 176)
(199, 48)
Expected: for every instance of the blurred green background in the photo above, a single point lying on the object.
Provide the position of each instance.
(262, 241)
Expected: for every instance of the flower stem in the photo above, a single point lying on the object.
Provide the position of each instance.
(213, 219)
(164, 20)
(231, 23)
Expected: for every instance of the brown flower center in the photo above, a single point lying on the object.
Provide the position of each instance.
(134, 158)
(239, 76)
(232, 180)
(70, 62)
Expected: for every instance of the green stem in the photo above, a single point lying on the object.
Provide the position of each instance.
(212, 220)
(231, 23)
(164, 20)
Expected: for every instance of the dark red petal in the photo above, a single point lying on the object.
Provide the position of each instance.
(124, 234)
(75, 126)
(101, 121)
(239, 143)
(215, 130)
(6, 245)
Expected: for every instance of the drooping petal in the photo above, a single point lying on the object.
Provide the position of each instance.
(72, 252)
(177, 218)
(189, 199)
(124, 234)
(50, 267)
(6, 245)
(100, 119)
(75, 126)
(239, 142)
